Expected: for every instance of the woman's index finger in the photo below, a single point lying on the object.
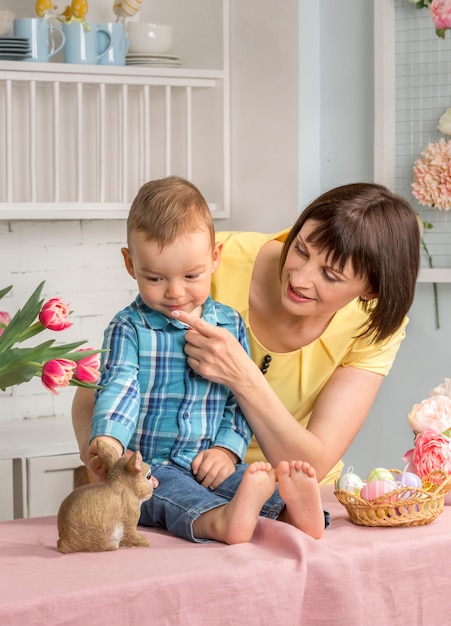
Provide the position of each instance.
(197, 324)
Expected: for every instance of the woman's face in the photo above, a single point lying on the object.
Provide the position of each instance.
(311, 286)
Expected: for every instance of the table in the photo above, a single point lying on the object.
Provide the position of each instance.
(353, 576)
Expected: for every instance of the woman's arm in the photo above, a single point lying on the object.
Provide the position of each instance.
(337, 417)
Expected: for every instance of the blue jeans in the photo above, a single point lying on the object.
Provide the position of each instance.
(179, 500)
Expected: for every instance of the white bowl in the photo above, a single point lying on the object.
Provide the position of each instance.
(6, 22)
(149, 38)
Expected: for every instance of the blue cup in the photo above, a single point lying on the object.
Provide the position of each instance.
(81, 43)
(41, 36)
(116, 53)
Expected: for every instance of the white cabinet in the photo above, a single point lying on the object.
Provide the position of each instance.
(80, 140)
(6, 490)
(41, 483)
(38, 458)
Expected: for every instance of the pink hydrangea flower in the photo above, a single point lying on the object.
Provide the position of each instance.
(87, 369)
(432, 452)
(432, 175)
(54, 314)
(57, 373)
(5, 319)
(433, 413)
(441, 14)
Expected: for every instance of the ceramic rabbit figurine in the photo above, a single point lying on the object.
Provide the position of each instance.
(104, 516)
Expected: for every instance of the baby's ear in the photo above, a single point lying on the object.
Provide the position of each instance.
(134, 464)
(107, 454)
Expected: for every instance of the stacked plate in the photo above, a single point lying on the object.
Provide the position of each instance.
(14, 48)
(152, 60)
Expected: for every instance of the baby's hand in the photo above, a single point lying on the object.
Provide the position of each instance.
(211, 467)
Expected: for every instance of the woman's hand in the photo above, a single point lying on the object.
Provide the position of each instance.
(214, 352)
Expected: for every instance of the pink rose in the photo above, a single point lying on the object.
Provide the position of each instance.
(441, 14)
(432, 451)
(54, 315)
(57, 373)
(432, 413)
(87, 369)
(5, 319)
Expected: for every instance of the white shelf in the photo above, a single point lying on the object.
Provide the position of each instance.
(79, 140)
(434, 275)
(71, 72)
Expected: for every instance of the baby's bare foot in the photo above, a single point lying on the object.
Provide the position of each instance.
(235, 522)
(299, 489)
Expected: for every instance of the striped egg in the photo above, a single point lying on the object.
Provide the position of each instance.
(377, 488)
(379, 473)
(409, 479)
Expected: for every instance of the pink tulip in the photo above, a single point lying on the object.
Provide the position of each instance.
(5, 319)
(441, 14)
(57, 373)
(87, 369)
(54, 315)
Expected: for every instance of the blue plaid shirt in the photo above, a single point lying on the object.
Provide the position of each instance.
(153, 401)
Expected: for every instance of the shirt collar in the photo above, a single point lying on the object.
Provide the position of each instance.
(153, 319)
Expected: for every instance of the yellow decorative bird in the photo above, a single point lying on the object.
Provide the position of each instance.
(44, 8)
(79, 9)
(76, 11)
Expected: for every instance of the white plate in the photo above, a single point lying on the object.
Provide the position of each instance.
(14, 48)
(14, 40)
(13, 57)
(144, 55)
(154, 63)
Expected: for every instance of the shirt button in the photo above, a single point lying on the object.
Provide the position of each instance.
(185, 416)
(192, 374)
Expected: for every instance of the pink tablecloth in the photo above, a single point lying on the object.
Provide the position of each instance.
(353, 576)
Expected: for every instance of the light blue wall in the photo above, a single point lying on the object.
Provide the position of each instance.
(343, 116)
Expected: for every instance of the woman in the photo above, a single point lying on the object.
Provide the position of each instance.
(325, 305)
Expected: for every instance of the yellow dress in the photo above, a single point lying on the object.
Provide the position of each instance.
(298, 377)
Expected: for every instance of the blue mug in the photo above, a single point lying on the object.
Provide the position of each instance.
(41, 37)
(116, 53)
(81, 43)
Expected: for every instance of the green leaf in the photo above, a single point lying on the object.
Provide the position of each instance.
(22, 320)
(4, 291)
(17, 375)
(440, 33)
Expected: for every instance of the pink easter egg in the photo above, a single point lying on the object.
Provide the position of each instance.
(377, 488)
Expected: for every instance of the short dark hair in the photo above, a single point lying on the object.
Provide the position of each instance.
(378, 231)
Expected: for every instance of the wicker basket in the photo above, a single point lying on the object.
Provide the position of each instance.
(407, 506)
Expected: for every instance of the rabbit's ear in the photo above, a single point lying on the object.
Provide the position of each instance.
(107, 454)
(134, 464)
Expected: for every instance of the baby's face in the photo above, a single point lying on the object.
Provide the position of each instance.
(176, 277)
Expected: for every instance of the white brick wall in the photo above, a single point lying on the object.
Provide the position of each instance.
(81, 263)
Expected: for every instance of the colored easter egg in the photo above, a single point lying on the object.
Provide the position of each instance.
(379, 473)
(349, 482)
(409, 479)
(377, 488)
